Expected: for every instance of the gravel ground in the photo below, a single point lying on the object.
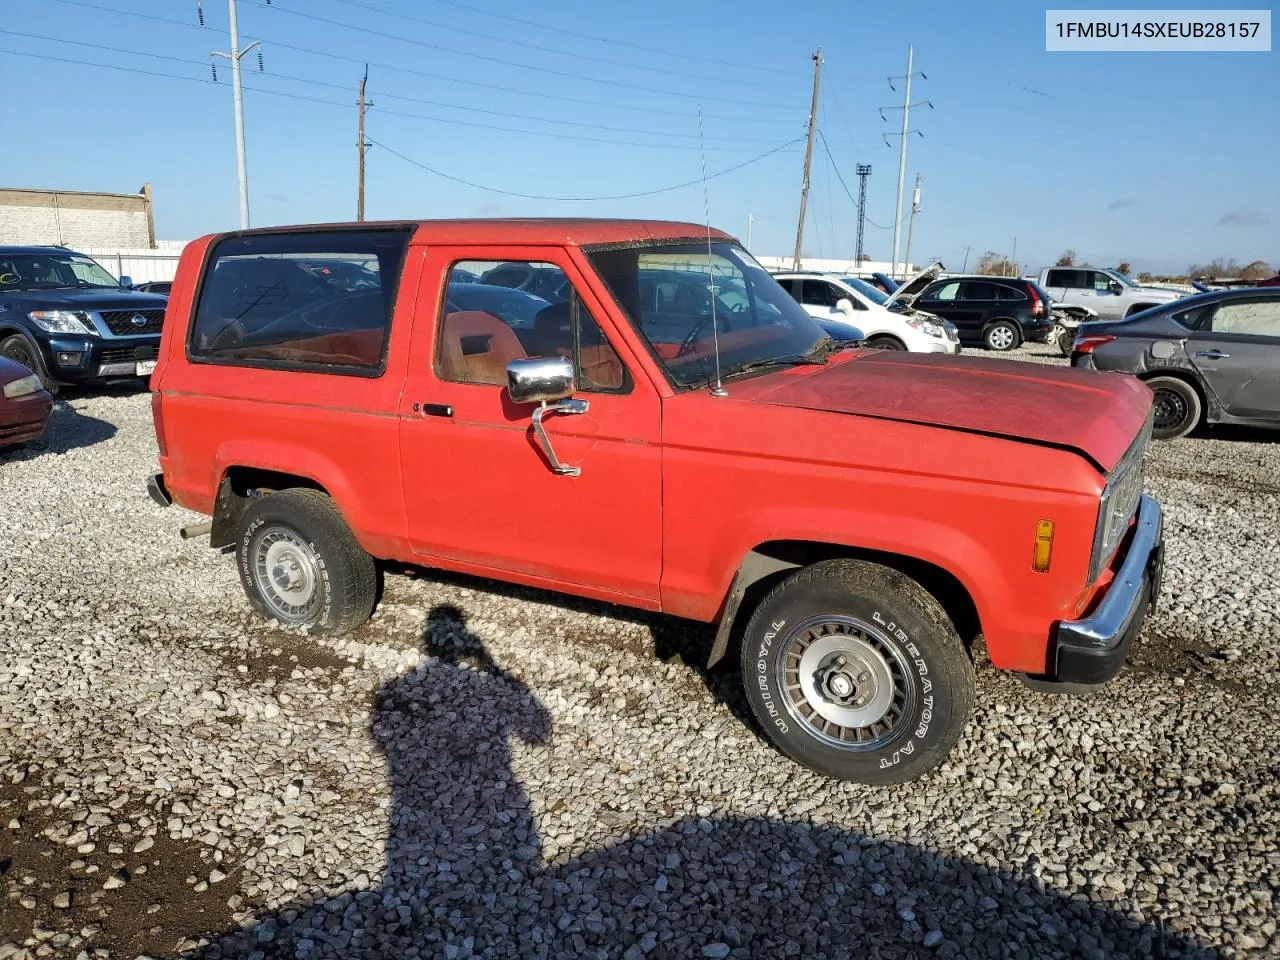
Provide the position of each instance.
(490, 771)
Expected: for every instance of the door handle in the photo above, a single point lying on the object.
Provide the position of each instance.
(433, 409)
(1213, 355)
(569, 406)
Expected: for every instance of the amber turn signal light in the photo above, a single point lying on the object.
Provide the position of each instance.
(1044, 546)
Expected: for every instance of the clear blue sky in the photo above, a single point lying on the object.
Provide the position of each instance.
(1158, 158)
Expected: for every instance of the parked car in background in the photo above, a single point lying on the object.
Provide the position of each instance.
(516, 308)
(884, 283)
(538, 280)
(847, 518)
(998, 312)
(24, 404)
(1109, 293)
(154, 286)
(64, 317)
(838, 299)
(1211, 358)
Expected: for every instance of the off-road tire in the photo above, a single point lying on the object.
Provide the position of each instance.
(19, 349)
(1177, 407)
(915, 635)
(1002, 336)
(1064, 338)
(345, 576)
(885, 343)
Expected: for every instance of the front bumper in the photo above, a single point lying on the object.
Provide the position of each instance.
(1092, 650)
(24, 418)
(70, 359)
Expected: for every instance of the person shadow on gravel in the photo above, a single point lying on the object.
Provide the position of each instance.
(465, 875)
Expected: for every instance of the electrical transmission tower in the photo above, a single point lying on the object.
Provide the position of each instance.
(902, 154)
(864, 171)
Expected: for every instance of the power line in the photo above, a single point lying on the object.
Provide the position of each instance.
(523, 66)
(558, 51)
(447, 78)
(346, 106)
(623, 196)
(612, 40)
(847, 192)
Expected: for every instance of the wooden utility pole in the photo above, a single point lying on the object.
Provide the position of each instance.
(808, 156)
(362, 146)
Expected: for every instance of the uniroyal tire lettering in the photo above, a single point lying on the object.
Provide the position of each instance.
(762, 669)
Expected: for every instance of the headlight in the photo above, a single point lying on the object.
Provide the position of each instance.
(931, 329)
(23, 387)
(62, 321)
(1119, 503)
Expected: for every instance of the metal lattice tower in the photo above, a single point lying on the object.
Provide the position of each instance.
(864, 171)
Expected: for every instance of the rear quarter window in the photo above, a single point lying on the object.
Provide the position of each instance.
(312, 301)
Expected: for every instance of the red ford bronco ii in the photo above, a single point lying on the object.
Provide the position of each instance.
(637, 412)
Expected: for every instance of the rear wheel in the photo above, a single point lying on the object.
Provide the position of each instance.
(1177, 407)
(886, 343)
(855, 671)
(1065, 337)
(300, 564)
(1001, 335)
(19, 350)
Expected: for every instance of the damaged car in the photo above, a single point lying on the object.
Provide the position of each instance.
(1212, 358)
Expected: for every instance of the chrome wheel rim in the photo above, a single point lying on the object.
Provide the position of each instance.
(847, 684)
(1170, 409)
(287, 574)
(1001, 338)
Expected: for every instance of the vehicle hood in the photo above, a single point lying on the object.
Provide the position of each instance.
(1162, 293)
(1095, 414)
(101, 299)
(910, 289)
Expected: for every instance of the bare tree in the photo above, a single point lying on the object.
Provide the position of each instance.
(993, 264)
(1258, 270)
(1125, 267)
(1218, 267)
(1067, 259)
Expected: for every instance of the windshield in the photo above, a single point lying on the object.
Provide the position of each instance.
(1126, 280)
(866, 289)
(51, 271)
(666, 291)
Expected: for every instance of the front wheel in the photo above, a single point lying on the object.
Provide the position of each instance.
(854, 670)
(300, 564)
(1176, 407)
(1001, 335)
(885, 343)
(19, 350)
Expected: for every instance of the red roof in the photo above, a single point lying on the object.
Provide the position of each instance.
(572, 231)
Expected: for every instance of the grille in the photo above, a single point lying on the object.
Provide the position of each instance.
(128, 354)
(120, 322)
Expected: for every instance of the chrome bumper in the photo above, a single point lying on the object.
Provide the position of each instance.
(1092, 650)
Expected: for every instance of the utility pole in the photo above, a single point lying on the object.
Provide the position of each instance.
(808, 156)
(750, 220)
(966, 259)
(864, 171)
(235, 56)
(911, 224)
(902, 148)
(1013, 257)
(362, 146)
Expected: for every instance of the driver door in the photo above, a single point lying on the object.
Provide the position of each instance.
(480, 495)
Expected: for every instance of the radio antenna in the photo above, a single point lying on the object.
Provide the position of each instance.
(718, 390)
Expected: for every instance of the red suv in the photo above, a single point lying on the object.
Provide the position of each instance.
(849, 519)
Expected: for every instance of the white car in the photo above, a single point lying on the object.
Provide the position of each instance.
(856, 302)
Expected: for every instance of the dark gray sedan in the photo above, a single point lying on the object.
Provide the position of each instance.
(1213, 358)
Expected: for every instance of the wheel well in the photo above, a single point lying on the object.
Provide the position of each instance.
(238, 486)
(778, 559)
(886, 336)
(1137, 307)
(1185, 377)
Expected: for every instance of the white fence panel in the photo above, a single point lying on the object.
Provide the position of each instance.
(141, 264)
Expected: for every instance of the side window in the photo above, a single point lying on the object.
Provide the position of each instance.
(1097, 280)
(1071, 279)
(791, 286)
(977, 290)
(818, 293)
(316, 300)
(484, 326)
(1009, 293)
(948, 291)
(1261, 318)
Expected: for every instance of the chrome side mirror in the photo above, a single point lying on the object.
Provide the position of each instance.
(126, 281)
(540, 379)
(549, 382)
